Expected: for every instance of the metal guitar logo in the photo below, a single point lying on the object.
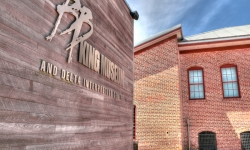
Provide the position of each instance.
(82, 15)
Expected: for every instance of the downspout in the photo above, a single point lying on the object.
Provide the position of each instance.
(188, 125)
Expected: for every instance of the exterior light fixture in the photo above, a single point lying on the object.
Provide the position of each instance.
(134, 14)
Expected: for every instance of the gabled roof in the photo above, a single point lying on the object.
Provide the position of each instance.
(176, 30)
(229, 32)
(230, 36)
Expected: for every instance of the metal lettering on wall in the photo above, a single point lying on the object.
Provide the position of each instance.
(91, 58)
(52, 70)
(88, 55)
(82, 15)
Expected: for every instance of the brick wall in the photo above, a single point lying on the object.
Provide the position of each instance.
(225, 117)
(156, 96)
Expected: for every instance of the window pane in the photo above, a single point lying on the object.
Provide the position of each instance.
(192, 88)
(196, 87)
(195, 73)
(200, 80)
(230, 85)
(199, 73)
(233, 70)
(192, 95)
(228, 70)
(191, 80)
(236, 93)
(230, 93)
(196, 80)
(223, 70)
(195, 76)
(202, 94)
(235, 85)
(225, 93)
(234, 78)
(197, 95)
(224, 78)
(229, 78)
(195, 84)
(191, 73)
(201, 87)
(225, 86)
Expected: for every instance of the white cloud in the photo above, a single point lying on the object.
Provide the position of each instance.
(157, 15)
(196, 16)
(214, 10)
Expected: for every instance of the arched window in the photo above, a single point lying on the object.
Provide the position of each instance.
(196, 83)
(245, 140)
(230, 82)
(207, 141)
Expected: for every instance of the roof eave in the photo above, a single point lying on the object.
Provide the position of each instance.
(176, 30)
(214, 40)
(213, 43)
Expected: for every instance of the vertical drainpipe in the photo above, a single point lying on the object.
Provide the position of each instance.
(188, 125)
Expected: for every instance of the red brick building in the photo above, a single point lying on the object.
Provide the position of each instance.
(193, 92)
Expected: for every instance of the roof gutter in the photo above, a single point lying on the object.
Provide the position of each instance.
(214, 40)
(213, 44)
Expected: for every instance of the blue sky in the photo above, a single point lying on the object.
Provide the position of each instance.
(196, 16)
